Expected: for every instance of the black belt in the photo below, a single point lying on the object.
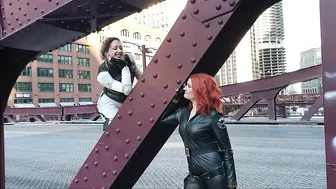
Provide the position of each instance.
(196, 151)
(119, 97)
(210, 174)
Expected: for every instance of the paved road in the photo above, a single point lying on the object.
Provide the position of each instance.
(48, 156)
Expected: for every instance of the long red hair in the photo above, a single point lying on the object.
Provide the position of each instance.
(206, 92)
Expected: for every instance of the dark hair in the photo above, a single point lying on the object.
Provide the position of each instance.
(106, 45)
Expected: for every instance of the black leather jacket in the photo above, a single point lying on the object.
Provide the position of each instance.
(202, 136)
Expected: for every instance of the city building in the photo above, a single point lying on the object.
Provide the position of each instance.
(310, 58)
(269, 31)
(60, 78)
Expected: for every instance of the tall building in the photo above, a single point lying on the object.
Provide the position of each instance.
(310, 58)
(269, 30)
(64, 77)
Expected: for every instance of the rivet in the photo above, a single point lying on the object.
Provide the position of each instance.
(165, 86)
(143, 80)
(182, 34)
(111, 6)
(28, 19)
(106, 147)
(96, 163)
(104, 174)
(127, 141)
(20, 24)
(86, 166)
(139, 123)
(85, 179)
(192, 1)
(220, 22)
(196, 11)
(11, 13)
(114, 172)
(16, 18)
(19, 8)
(4, 17)
(57, 3)
(178, 81)
(130, 98)
(9, 23)
(207, 25)
(194, 44)
(193, 60)
(96, 150)
(209, 37)
(115, 158)
(12, 28)
(156, 60)
(2, 8)
(4, 32)
(165, 101)
(10, 3)
(168, 55)
(42, 11)
(35, 8)
(169, 40)
(218, 7)
(107, 134)
(142, 95)
(179, 66)
(119, 116)
(232, 3)
(118, 130)
(151, 120)
(102, 3)
(184, 16)
(82, 21)
(126, 156)
(152, 105)
(130, 113)
(139, 138)
(76, 180)
(155, 75)
(24, 14)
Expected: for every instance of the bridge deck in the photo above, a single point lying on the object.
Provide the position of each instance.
(44, 156)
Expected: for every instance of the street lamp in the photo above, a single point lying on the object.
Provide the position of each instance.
(144, 50)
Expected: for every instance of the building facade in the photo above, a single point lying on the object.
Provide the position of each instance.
(269, 31)
(60, 78)
(311, 57)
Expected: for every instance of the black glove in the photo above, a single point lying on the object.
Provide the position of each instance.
(119, 63)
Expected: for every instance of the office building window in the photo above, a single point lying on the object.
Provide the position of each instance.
(84, 74)
(23, 86)
(84, 87)
(66, 47)
(23, 101)
(148, 38)
(67, 100)
(124, 33)
(85, 99)
(45, 87)
(64, 59)
(62, 73)
(82, 48)
(45, 72)
(66, 87)
(137, 56)
(26, 72)
(83, 61)
(46, 100)
(137, 35)
(45, 58)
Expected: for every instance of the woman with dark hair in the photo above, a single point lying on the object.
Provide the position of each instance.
(116, 74)
(204, 134)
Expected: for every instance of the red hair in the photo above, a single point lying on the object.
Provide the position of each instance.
(206, 92)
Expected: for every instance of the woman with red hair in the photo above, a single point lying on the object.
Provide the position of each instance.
(205, 137)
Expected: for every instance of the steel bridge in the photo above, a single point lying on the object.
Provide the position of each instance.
(206, 32)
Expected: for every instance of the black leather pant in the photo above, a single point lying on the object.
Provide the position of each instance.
(217, 182)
